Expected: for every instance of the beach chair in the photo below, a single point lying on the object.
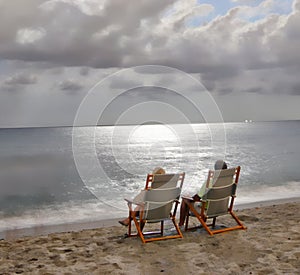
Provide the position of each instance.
(158, 206)
(164, 181)
(155, 182)
(217, 201)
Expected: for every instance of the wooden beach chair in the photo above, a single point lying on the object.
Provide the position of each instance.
(164, 181)
(217, 201)
(159, 205)
(155, 182)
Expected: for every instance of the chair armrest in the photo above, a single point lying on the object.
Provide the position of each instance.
(132, 201)
(128, 200)
(187, 198)
(194, 198)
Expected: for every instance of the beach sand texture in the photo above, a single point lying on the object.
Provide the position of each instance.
(270, 245)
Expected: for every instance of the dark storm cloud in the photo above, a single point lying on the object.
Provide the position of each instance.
(148, 97)
(122, 83)
(255, 90)
(70, 85)
(84, 71)
(21, 79)
(296, 89)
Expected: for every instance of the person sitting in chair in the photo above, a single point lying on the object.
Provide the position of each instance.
(140, 196)
(184, 209)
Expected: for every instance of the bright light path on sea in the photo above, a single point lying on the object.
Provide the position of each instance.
(157, 145)
(153, 133)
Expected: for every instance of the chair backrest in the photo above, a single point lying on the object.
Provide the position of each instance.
(164, 181)
(159, 203)
(222, 187)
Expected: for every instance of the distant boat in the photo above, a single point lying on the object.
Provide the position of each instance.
(248, 120)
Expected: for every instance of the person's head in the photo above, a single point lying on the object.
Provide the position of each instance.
(158, 171)
(220, 164)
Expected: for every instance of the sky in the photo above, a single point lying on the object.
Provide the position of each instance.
(143, 61)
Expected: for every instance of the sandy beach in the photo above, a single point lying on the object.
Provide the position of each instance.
(270, 245)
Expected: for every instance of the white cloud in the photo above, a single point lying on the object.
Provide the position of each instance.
(91, 7)
(27, 36)
(184, 10)
(242, 1)
(296, 5)
(265, 8)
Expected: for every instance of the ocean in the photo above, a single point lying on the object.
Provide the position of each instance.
(51, 176)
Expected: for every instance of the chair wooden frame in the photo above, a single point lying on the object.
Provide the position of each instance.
(203, 217)
(151, 180)
(140, 222)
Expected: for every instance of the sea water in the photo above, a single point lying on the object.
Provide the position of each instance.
(65, 175)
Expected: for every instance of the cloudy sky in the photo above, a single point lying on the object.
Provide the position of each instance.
(53, 53)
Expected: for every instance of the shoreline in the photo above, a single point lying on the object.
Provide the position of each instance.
(42, 230)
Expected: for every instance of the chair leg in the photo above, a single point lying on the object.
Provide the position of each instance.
(237, 220)
(162, 227)
(176, 227)
(201, 219)
(138, 226)
(142, 225)
(186, 222)
(214, 222)
(129, 225)
(226, 229)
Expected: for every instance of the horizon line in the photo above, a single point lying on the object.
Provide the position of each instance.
(146, 123)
